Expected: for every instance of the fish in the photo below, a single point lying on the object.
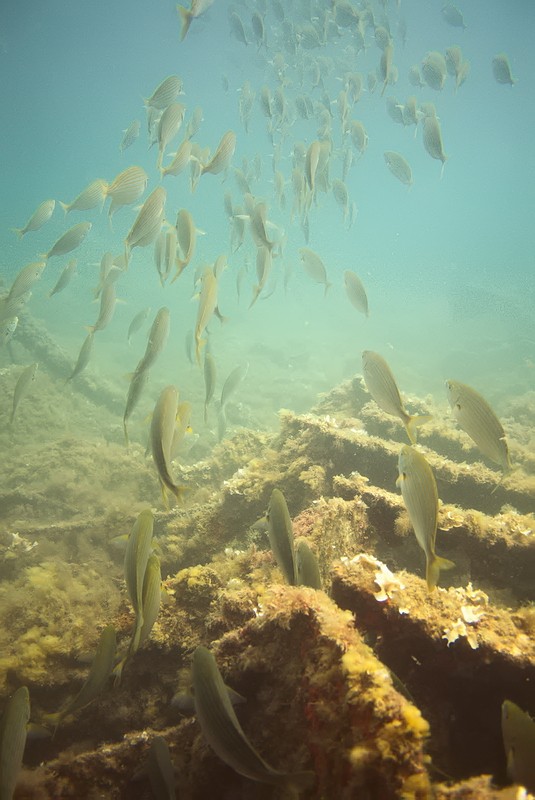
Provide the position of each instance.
(236, 28)
(386, 67)
(168, 127)
(453, 16)
(307, 567)
(222, 156)
(161, 438)
(138, 549)
(69, 241)
(518, 733)
(7, 329)
(137, 322)
(432, 137)
(182, 427)
(259, 33)
(83, 356)
(108, 301)
(420, 496)
(399, 167)
(359, 136)
(13, 731)
(223, 731)
(187, 240)
(209, 382)
(187, 15)
(65, 278)
(148, 222)
(180, 160)
(165, 252)
(415, 78)
(356, 292)
(130, 135)
(160, 770)
(476, 418)
(232, 382)
(382, 386)
(25, 280)
(194, 123)
(281, 538)
(92, 196)
(99, 674)
(207, 306)
(151, 596)
(158, 335)
(501, 69)
(126, 188)
(341, 195)
(314, 267)
(40, 217)
(434, 70)
(264, 263)
(22, 387)
(165, 93)
(188, 346)
(138, 382)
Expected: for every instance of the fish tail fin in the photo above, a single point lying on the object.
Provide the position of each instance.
(443, 165)
(125, 429)
(179, 492)
(413, 422)
(434, 565)
(327, 287)
(256, 292)
(65, 207)
(185, 18)
(19, 231)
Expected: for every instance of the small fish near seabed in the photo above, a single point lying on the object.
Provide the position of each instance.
(223, 731)
(476, 418)
(13, 731)
(162, 432)
(419, 492)
(382, 386)
(518, 732)
(281, 537)
(22, 387)
(99, 674)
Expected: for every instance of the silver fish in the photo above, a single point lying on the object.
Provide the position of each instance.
(209, 382)
(382, 386)
(308, 571)
(281, 538)
(70, 240)
(137, 322)
(65, 278)
(130, 135)
(161, 437)
(22, 387)
(478, 420)
(99, 674)
(419, 491)
(518, 732)
(84, 356)
(40, 216)
(223, 731)
(13, 730)
(232, 382)
(356, 292)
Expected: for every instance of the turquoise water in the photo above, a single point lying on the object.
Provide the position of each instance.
(447, 264)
